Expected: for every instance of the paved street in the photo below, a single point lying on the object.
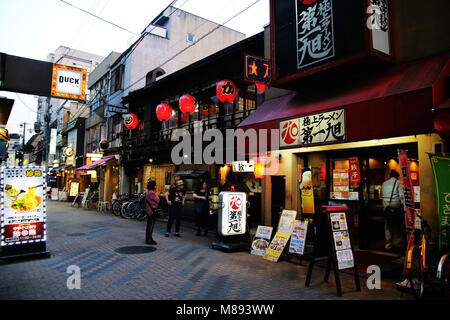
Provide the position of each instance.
(179, 268)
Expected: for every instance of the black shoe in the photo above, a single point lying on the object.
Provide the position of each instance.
(177, 235)
(166, 235)
(153, 242)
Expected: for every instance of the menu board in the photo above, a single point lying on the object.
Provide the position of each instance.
(298, 237)
(22, 207)
(74, 188)
(341, 240)
(262, 240)
(276, 247)
(286, 223)
(341, 184)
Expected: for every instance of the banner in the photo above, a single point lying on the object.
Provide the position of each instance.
(261, 241)
(298, 237)
(441, 172)
(355, 174)
(408, 192)
(22, 208)
(307, 192)
(276, 247)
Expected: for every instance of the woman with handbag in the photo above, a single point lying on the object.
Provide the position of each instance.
(393, 214)
(151, 205)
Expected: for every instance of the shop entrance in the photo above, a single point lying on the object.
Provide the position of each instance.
(331, 172)
(278, 197)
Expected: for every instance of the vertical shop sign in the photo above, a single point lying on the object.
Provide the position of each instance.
(307, 192)
(378, 23)
(441, 172)
(233, 214)
(315, 33)
(355, 174)
(298, 237)
(408, 192)
(23, 205)
(261, 241)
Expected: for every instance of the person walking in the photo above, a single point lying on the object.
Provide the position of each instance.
(201, 206)
(392, 192)
(151, 203)
(175, 199)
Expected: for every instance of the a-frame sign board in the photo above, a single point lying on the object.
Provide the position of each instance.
(333, 220)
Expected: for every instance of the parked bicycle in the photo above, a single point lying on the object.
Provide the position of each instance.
(116, 205)
(443, 269)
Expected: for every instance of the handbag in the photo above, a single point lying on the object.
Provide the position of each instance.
(157, 212)
(391, 214)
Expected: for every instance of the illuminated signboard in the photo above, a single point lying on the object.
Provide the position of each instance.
(257, 69)
(23, 205)
(233, 213)
(69, 82)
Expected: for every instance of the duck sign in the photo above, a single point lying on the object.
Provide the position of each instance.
(69, 82)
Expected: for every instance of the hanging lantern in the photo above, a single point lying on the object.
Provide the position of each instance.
(163, 112)
(187, 104)
(261, 87)
(208, 109)
(258, 168)
(226, 91)
(131, 121)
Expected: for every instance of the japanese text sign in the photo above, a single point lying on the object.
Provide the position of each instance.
(257, 69)
(315, 34)
(355, 173)
(232, 213)
(313, 129)
(23, 209)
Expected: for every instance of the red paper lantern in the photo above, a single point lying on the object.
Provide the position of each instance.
(131, 121)
(163, 112)
(208, 109)
(187, 104)
(226, 91)
(261, 87)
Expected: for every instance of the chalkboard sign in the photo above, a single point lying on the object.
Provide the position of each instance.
(333, 220)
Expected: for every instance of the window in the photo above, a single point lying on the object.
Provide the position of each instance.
(117, 79)
(190, 37)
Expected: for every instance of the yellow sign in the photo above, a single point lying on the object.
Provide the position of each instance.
(276, 247)
(69, 82)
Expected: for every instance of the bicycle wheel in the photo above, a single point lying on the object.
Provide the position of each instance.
(415, 275)
(133, 209)
(443, 275)
(124, 212)
(116, 208)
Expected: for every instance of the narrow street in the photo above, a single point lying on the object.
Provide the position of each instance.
(179, 268)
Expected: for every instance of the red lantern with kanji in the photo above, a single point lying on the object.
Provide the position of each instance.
(187, 104)
(208, 109)
(226, 91)
(131, 121)
(163, 112)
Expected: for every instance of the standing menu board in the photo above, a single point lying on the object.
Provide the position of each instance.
(298, 238)
(23, 213)
(333, 223)
(261, 241)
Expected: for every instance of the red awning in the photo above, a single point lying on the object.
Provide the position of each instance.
(93, 165)
(396, 101)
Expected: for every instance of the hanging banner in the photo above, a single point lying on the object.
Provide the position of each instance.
(441, 172)
(262, 240)
(307, 192)
(298, 238)
(276, 247)
(408, 192)
(22, 206)
(355, 174)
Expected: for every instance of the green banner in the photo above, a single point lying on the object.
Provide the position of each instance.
(441, 172)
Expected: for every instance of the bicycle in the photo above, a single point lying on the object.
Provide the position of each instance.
(126, 212)
(116, 205)
(417, 265)
(443, 270)
(136, 208)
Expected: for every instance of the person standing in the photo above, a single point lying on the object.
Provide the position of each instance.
(392, 192)
(201, 206)
(175, 199)
(151, 203)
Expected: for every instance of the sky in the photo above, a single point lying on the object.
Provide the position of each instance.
(35, 28)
